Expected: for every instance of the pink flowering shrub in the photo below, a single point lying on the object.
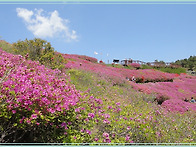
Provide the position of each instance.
(177, 105)
(135, 65)
(35, 99)
(176, 91)
(147, 75)
(39, 84)
(80, 58)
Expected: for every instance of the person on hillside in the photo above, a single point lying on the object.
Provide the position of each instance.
(133, 79)
(192, 100)
(186, 100)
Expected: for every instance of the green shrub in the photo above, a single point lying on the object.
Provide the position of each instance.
(41, 50)
(35, 48)
(53, 60)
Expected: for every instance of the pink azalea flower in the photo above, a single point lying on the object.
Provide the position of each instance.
(13, 111)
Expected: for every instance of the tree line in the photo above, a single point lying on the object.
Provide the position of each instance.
(189, 63)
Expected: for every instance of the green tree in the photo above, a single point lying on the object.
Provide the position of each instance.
(35, 48)
(40, 50)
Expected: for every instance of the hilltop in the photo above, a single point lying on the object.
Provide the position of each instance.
(48, 96)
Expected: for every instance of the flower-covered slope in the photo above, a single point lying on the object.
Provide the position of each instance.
(40, 105)
(146, 75)
(167, 87)
(170, 89)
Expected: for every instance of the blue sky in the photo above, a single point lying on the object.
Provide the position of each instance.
(143, 32)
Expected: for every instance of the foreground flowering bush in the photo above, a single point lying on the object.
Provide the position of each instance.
(33, 100)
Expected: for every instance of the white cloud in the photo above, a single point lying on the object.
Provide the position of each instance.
(48, 25)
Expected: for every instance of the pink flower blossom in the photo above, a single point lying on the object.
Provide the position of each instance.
(106, 121)
(96, 139)
(13, 111)
(127, 138)
(91, 115)
(118, 103)
(106, 135)
(88, 132)
(34, 116)
(128, 128)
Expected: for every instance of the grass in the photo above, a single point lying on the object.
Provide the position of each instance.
(166, 69)
(173, 70)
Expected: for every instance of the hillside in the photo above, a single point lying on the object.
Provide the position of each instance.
(86, 102)
(149, 81)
